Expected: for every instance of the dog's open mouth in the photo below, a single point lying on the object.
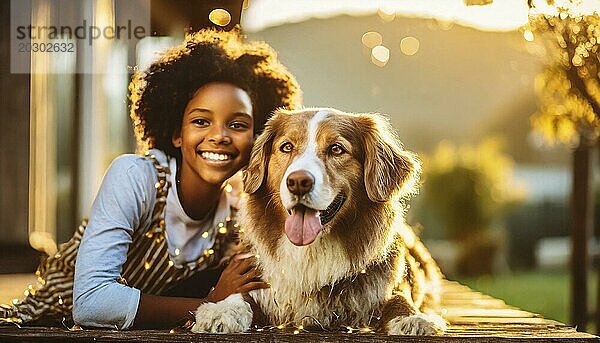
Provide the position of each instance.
(332, 209)
(304, 224)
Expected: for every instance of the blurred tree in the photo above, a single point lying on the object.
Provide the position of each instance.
(469, 190)
(569, 97)
(569, 88)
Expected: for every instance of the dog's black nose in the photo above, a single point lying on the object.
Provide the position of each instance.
(300, 182)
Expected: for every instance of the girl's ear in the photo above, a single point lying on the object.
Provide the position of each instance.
(176, 139)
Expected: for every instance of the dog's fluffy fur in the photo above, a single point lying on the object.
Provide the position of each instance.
(365, 267)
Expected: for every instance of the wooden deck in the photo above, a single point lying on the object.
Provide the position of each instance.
(473, 317)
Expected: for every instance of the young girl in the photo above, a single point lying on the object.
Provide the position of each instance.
(161, 221)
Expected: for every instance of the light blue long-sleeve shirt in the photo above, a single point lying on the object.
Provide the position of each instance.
(123, 204)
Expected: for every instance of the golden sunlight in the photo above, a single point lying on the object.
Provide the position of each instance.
(499, 15)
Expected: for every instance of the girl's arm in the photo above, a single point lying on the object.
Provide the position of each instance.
(239, 276)
(122, 204)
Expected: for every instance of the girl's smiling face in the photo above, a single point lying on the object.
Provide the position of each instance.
(216, 133)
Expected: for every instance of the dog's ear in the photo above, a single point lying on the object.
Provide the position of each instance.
(255, 173)
(388, 169)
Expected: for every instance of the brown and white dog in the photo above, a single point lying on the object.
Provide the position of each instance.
(324, 215)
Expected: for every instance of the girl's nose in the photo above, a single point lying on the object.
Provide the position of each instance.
(219, 135)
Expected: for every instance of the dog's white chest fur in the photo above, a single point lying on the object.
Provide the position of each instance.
(301, 276)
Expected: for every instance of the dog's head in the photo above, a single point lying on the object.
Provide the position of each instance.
(323, 164)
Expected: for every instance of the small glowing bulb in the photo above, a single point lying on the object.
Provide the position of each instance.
(363, 271)
(172, 331)
(296, 332)
(210, 251)
(528, 35)
(223, 230)
(147, 265)
(177, 252)
(280, 326)
(228, 188)
(205, 234)
(301, 327)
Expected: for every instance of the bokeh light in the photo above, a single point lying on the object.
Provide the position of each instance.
(409, 45)
(386, 13)
(528, 35)
(220, 17)
(372, 39)
(380, 55)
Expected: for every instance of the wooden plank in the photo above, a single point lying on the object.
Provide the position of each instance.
(63, 335)
(464, 311)
(472, 316)
(500, 320)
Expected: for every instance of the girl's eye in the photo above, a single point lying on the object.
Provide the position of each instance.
(239, 125)
(336, 149)
(200, 122)
(286, 147)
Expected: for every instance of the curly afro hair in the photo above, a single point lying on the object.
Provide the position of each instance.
(158, 96)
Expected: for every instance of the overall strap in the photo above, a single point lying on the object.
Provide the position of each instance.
(149, 266)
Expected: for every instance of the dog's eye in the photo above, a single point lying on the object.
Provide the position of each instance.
(286, 147)
(336, 149)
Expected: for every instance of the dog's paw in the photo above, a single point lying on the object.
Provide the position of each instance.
(229, 315)
(417, 325)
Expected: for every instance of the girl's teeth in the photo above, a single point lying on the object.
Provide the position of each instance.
(214, 156)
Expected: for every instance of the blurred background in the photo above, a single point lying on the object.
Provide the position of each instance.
(499, 98)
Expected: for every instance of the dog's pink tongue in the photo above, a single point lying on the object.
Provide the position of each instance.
(303, 226)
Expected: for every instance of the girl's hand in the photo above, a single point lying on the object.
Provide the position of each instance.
(240, 276)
